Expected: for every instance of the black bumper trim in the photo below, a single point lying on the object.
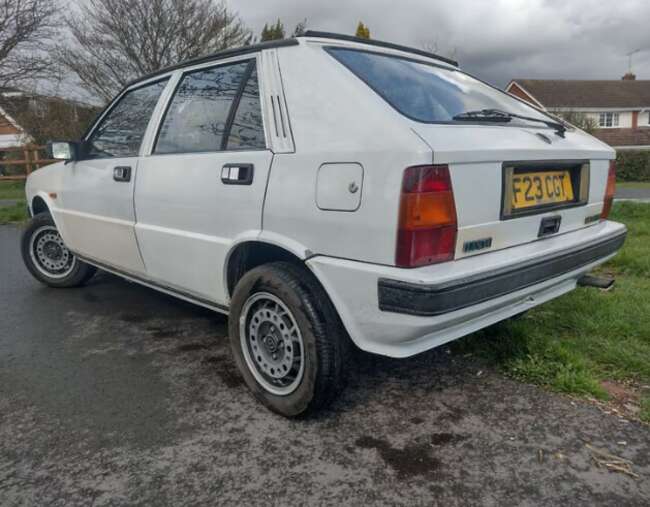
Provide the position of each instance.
(430, 300)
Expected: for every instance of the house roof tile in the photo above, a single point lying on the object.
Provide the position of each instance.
(562, 93)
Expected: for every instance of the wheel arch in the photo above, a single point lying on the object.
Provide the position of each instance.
(38, 205)
(251, 253)
(41, 202)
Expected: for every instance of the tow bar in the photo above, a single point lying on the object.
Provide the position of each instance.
(600, 282)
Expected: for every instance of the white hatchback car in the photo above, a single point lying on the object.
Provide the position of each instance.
(325, 191)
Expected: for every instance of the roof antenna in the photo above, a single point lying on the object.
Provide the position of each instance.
(629, 59)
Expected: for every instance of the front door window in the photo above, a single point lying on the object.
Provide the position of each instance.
(121, 131)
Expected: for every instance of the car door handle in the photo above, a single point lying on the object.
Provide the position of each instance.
(122, 173)
(237, 174)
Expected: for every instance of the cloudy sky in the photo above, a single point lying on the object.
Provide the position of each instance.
(495, 39)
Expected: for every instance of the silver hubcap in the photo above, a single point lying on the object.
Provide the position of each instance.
(272, 343)
(49, 254)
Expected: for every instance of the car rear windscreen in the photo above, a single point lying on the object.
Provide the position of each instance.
(426, 92)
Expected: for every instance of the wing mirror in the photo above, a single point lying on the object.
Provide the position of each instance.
(63, 150)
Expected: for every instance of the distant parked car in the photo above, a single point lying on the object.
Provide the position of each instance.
(324, 191)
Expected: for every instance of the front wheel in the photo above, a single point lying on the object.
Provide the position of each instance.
(48, 259)
(287, 339)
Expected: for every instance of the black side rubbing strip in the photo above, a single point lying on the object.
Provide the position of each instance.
(429, 300)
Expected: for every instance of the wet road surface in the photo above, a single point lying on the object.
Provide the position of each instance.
(116, 395)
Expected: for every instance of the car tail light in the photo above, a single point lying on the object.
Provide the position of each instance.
(427, 217)
(610, 190)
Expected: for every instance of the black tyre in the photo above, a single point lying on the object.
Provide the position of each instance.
(287, 339)
(48, 259)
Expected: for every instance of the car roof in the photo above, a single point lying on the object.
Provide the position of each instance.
(219, 55)
(253, 48)
(378, 43)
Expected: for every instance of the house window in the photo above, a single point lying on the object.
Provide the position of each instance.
(608, 120)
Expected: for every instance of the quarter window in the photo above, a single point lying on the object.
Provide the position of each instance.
(121, 131)
(212, 110)
(247, 130)
(608, 120)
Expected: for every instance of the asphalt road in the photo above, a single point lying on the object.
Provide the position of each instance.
(116, 395)
(642, 194)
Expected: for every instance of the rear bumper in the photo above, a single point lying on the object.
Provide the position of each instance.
(401, 312)
(430, 300)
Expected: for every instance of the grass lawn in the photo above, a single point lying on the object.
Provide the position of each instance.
(633, 184)
(13, 214)
(575, 343)
(12, 189)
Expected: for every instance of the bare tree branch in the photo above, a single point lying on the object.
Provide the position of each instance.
(115, 41)
(432, 46)
(26, 28)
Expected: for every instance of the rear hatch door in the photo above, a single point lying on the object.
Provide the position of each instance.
(516, 184)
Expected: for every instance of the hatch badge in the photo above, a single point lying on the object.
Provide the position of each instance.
(477, 244)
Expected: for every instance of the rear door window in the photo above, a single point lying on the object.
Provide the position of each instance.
(425, 92)
(212, 110)
(120, 132)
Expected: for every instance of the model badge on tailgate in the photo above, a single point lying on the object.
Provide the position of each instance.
(477, 244)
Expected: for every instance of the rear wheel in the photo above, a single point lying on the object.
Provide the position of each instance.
(48, 259)
(287, 339)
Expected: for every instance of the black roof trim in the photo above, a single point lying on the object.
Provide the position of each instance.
(226, 53)
(373, 42)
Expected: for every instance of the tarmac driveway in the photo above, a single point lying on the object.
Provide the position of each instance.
(114, 395)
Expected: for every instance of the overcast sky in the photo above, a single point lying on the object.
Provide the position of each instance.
(496, 40)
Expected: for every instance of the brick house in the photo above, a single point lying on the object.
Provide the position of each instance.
(11, 133)
(27, 117)
(619, 108)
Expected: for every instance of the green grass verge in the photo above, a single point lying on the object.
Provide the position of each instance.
(574, 342)
(645, 409)
(13, 214)
(633, 184)
(12, 189)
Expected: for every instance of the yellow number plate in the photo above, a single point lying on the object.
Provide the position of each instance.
(539, 188)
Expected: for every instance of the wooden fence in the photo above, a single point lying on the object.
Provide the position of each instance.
(18, 161)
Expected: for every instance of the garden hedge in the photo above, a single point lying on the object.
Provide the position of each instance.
(633, 166)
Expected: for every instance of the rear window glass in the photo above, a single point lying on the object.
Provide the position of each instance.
(426, 93)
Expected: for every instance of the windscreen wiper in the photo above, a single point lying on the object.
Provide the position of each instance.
(496, 115)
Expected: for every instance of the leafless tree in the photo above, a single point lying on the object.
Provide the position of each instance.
(432, 46)
(577, 119)
(26, 28)
(114, 41)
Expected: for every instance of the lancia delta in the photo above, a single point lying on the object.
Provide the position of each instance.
(326, 192)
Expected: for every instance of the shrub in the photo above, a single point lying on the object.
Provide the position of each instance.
(633, 166)
(578, 119)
